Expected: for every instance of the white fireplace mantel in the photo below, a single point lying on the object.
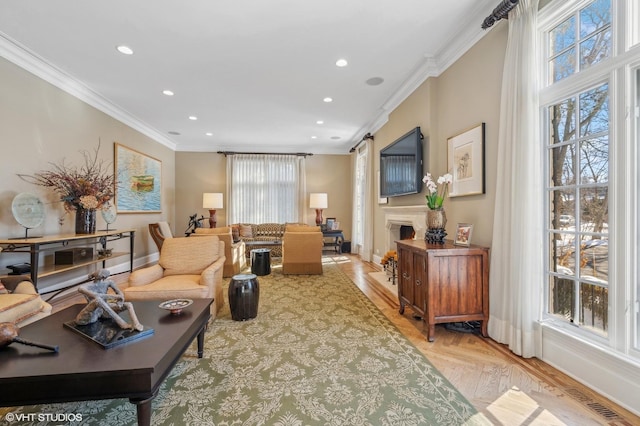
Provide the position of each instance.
(394, 217)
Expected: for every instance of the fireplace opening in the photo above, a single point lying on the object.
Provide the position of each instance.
(407, 232)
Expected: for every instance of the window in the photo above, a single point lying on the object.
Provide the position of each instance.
(578, 195)
(591, 206)
(265, 188)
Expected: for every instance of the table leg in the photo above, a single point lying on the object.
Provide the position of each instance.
(201, 342)
(143, 407)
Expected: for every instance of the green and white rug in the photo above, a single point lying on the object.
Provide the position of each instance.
(319, 353)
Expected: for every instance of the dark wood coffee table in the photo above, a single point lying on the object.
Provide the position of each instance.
(83, 370)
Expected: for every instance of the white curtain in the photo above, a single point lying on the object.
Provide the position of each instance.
(362, 202)
(516, 274)
(265, 188)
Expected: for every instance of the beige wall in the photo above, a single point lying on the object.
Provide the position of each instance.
(465, 95)
(198, 172)
(40, 124)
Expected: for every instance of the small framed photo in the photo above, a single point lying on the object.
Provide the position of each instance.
(336, 225)
(463, 234)
(330, 222)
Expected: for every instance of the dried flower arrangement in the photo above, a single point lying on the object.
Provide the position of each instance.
(89, 187)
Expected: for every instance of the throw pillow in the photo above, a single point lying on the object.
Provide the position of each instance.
(246, 231)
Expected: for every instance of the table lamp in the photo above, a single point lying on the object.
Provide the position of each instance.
(318, 201)
(212, 201)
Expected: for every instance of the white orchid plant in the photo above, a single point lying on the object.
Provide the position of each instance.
(435, 198)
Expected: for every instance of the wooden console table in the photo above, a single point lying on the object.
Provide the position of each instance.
(444, 283)
(36, 246)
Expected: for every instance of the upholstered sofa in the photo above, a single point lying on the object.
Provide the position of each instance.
(253, 234)
(302, 250)
(20, 303)
(234, 252)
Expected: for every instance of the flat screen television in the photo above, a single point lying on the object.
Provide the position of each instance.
(401, 166)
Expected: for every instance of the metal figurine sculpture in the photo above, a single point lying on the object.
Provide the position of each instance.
(194, 222)
(102, 304)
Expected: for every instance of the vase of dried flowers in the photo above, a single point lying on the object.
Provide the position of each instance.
(82, 190)
(85, 221)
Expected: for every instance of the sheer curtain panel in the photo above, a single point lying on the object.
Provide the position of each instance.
(266, 188)
(517, 264)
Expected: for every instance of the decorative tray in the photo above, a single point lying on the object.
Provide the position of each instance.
(175, 306)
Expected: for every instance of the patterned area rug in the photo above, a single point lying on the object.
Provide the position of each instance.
(318, 353)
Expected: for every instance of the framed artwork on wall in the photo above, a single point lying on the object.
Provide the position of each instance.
(139, 181)
(463, 234)
(465, 161)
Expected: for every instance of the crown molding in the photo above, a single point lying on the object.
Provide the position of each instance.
(38, 66)
(432, 66)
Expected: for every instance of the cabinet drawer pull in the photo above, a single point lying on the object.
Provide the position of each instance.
(418, 282)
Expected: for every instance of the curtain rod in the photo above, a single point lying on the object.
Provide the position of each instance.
(364, 138)
(299, 154)
(500, 12)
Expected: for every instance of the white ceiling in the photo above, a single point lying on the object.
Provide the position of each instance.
(253, 72)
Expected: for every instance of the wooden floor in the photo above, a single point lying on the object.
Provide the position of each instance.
(506, 389)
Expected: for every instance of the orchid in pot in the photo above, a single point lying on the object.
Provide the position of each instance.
(436, 218)
(434, 197)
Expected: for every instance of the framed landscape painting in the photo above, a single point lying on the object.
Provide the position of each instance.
(139, 181)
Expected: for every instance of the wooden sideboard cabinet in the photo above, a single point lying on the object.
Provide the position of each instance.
(443, 282)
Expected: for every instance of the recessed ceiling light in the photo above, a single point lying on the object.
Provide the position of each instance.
(193, 117)
(167, 92)
(173, 132)
(319, 122)
(328, 99)
(125, 50)
(209, 134)
(342, 63)
(375, 81)
(314, 137)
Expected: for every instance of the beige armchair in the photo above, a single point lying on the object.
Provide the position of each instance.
(235, 260)
(302, 250)
(188, 268)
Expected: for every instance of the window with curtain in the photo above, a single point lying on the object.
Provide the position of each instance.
(359, 198)
(590, 180)
(265, 188)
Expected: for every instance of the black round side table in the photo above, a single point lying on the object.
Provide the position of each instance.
(261, 261)
(244, 294)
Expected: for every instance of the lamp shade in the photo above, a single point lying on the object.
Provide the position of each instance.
(318, 200)
(212, 200)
